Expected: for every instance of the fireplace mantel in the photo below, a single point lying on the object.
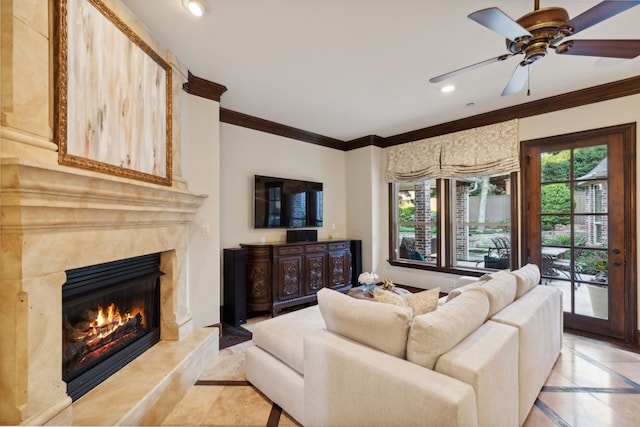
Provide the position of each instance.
(37, 195)
(56, 218)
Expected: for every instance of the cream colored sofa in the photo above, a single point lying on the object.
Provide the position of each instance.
(479, 359)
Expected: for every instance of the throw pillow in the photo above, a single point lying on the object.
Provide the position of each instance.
(417, 255)
(382, 326)
(419, 302)
(387, 297)
(422, 302)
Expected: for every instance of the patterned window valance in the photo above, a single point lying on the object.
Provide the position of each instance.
(487, 150)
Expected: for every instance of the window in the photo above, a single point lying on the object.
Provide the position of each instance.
(462, 223)
(417, 230)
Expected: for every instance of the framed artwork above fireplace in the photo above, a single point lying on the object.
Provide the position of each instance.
(113, 95)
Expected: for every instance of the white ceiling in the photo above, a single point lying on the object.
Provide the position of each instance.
(350, 68)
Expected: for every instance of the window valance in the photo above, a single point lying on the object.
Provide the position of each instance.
(486, 150)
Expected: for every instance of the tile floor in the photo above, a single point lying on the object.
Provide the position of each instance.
(592, 384)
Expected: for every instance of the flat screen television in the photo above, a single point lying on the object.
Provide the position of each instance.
(287, 203)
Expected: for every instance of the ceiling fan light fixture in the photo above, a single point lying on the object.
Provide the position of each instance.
(537, 31)
(196, 7)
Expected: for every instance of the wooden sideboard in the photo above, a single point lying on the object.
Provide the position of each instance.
(281, 275)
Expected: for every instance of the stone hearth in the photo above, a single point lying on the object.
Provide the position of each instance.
(56, 218)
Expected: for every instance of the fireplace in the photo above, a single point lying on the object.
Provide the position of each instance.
(110, 315)
(56, 220)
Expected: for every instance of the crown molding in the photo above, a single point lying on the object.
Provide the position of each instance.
(203, 88)
(365, 141)
(256, 123)
(626, 87)
(605, 92)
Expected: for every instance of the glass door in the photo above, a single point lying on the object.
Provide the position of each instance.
(579, 191)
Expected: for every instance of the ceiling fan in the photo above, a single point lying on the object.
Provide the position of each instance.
(546, 28)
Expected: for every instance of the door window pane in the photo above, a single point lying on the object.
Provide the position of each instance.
(556, 198)
(555, 166)
(590, 162)
(590, 197)
(556, 229)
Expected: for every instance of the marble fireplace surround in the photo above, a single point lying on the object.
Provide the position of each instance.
(56, 218)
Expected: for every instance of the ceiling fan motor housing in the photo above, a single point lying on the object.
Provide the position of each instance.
(543, 25)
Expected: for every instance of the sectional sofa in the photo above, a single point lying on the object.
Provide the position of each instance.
(479, 359)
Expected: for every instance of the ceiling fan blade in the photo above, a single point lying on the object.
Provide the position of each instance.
(607, 48)
(469, 68)
(596, 14)
(496, 20)
(517, 80)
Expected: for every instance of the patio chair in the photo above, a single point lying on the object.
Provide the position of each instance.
(408, 249)
(563, 265)
(501, 247)
(547, 268)
(498, 256)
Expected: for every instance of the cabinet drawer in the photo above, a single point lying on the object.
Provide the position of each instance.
(288, 250)
(319, 247)
(338, 245)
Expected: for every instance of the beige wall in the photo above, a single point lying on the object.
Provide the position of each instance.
(366, 214)
(245, 153)
(201, 163)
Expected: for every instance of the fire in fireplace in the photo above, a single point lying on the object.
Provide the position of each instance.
(111, 315)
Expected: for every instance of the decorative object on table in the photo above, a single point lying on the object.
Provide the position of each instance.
(388, 284)
(367, 281)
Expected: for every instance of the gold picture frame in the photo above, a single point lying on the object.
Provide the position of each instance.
(113, 96)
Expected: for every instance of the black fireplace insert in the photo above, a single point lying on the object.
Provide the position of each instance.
(110, 315)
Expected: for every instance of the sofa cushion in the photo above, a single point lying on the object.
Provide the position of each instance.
(282, 336)
(457, 291)
(527, 277)
(419, 302)
(501, 291)
(435, 333)
(381, 326)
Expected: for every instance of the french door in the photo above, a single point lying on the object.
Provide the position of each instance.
(579, 225)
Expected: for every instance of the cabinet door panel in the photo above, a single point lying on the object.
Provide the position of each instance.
(315, 272)
(339, 269)
(258, 279)
(289, 277)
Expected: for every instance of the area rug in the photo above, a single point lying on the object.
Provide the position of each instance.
(232, 335)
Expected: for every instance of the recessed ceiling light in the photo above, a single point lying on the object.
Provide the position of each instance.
(447, 88)
(196, 7)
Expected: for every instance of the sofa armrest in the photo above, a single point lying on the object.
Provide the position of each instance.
(538, 316)
(487, 360)
(347, 384)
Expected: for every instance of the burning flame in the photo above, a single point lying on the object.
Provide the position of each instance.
(107, 321)
(111, 318)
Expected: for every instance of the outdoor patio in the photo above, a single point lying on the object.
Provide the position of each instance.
(583, 302)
